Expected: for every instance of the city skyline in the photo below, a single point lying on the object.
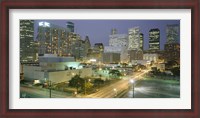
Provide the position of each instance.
(99, 30)
(64, 65)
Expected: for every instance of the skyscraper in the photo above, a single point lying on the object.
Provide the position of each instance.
(113, 31)
(70, 26)
(52, 39)
(141, 41)
(28, 47)
(134, 38)
(173, 32)
(154, 39)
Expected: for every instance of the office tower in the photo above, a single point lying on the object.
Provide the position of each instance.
(172, 52)
(52, 39)
(141, 41)
(173, 33)
(111, 57)
(28, 47)
(87, 44)
(72, 39)
(113, 31)
(70, 26)
(134, 38)
(154, 39)
(118, 40)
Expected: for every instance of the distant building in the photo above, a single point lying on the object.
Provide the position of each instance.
(172, 52)
(113, 31)
(70, 27)
(72, 39)
(52, 39)
(151, 57)
(173, 33)
(154, 39)
(87, 45)
(111, 57)
(135, 55)
(96, 52)
(141, 41)
(134, 38)
(99, 47)
(28, 47)
(112, 49)
(118, 40)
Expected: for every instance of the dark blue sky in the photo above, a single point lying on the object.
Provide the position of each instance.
(99, 30)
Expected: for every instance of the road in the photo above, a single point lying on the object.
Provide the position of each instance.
(115, 89)
(155, 88)
(152, 88)
(33, 92)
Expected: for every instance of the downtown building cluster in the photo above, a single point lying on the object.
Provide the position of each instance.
(59, 51)
(130, 47)
(51, 39)
(124, 48)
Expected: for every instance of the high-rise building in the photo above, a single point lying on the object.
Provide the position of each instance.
(118, 40)
(111, 57)
(87, 44)
(154, 39)
(72, 40)
(173, 32)
(172, 52)
(28, 47)
(134, 38)
(113, 31)
(70, 26)
(99, 47)
(135, 55)
(141, 41)
(52, 39)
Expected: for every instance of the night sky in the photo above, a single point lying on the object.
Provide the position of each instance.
(99, 30)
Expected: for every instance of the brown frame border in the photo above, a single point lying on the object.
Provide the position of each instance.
(99, 4)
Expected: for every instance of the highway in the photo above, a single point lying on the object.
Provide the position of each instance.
(114, 89)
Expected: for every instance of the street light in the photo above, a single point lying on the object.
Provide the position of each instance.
(133, 84)
(115, 90)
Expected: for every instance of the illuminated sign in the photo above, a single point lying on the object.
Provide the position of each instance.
(44, 24)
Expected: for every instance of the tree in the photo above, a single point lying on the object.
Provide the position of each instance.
(98, 82)
(76, 82)
(176, 71)
(115, 73)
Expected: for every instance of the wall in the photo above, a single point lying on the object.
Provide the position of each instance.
(33, 72)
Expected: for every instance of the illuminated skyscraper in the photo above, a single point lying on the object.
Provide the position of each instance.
(141, 41)
(28, 47)
(154, 39)
(173, 32)
(134, 38)
(52, 39)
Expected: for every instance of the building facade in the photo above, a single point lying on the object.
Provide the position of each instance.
(70, 27)
(135, 55)
(111, 57)
(134, 38)
(118, 40)
(172, 52)
(52, 39)
(154, 39)
(141, 41)
(173, 33)
(28, 47)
